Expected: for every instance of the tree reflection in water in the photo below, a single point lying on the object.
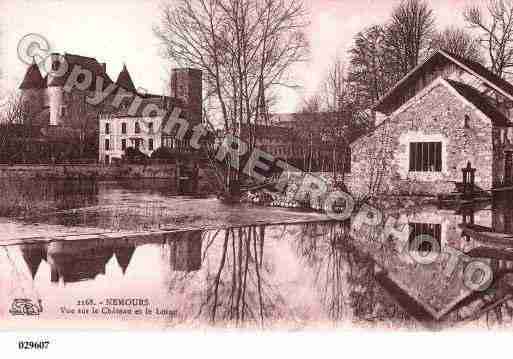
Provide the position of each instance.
(235, 284)
(236, 291)
(345, 276)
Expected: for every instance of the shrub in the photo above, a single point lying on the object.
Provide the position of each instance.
(163, 153)
(134, 155)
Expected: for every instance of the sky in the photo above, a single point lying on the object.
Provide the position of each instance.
(120, 31)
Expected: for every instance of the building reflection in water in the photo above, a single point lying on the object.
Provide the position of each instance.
(73, 261)
(238, 276)
(124, 255)
(492, 306)
(185, 251)
(33, 255)
(503, 214)
(345, 276)
(79, 260)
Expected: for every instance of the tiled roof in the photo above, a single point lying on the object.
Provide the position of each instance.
(469, 66)
(474, 97)
(484, 72)
(88, 63)
(33, 79)
(165, 103)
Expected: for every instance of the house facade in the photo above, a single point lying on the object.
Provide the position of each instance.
(121, 128)
(119, 133)
(444, 114)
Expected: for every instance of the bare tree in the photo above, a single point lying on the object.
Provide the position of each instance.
(15, 111)
(458, 42)
(337, 118)
(334, 87)
(496, 33)
(14, 126)
(244, 48)
(408, 34)
(82, 117)
(311, 104)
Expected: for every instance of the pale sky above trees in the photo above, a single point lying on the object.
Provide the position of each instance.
(118, 32)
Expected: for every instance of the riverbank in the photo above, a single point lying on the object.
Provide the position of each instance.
(88, 171)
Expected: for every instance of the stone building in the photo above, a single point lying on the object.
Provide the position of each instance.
(445, 113)
(121, 127)
(123, 118)
(310, 141)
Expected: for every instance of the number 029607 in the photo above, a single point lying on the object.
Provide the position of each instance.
(30, 345)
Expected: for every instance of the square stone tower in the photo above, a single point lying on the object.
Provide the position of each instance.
(187, 87)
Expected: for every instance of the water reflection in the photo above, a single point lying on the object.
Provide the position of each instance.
(33, 255)
(254, 275)
(266, 276)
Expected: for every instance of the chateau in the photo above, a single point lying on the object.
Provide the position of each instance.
(447, 112)
(124, 118)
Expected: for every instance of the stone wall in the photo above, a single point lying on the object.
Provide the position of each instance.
(92, 171)
(380, 160)
(206, 177)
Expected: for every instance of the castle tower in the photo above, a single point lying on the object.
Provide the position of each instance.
(55, 92)
(187, 86)
(33, 91)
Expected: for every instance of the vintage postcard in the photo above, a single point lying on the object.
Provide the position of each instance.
(256, 165)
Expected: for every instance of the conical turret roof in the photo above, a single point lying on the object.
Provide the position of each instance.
(124, 256)
(125, 80)
(33, 78)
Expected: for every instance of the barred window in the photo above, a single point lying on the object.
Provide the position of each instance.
(426, 156)
(425, 229)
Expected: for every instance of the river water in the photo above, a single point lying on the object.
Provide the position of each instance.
(134, 254)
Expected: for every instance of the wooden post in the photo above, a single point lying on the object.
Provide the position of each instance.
(469, 175)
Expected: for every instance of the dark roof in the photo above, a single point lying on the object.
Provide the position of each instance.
(33, 255)
(124, 256)
(474, 97)
(164, 103)
(471, 67)
(484, 72)
(88, 63)
(471, 95)
(125, 80)
(79, 266)
(33, 79)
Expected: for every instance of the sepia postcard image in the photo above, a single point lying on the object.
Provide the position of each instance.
(261, 165)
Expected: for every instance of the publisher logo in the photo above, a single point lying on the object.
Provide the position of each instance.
(24, 306)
